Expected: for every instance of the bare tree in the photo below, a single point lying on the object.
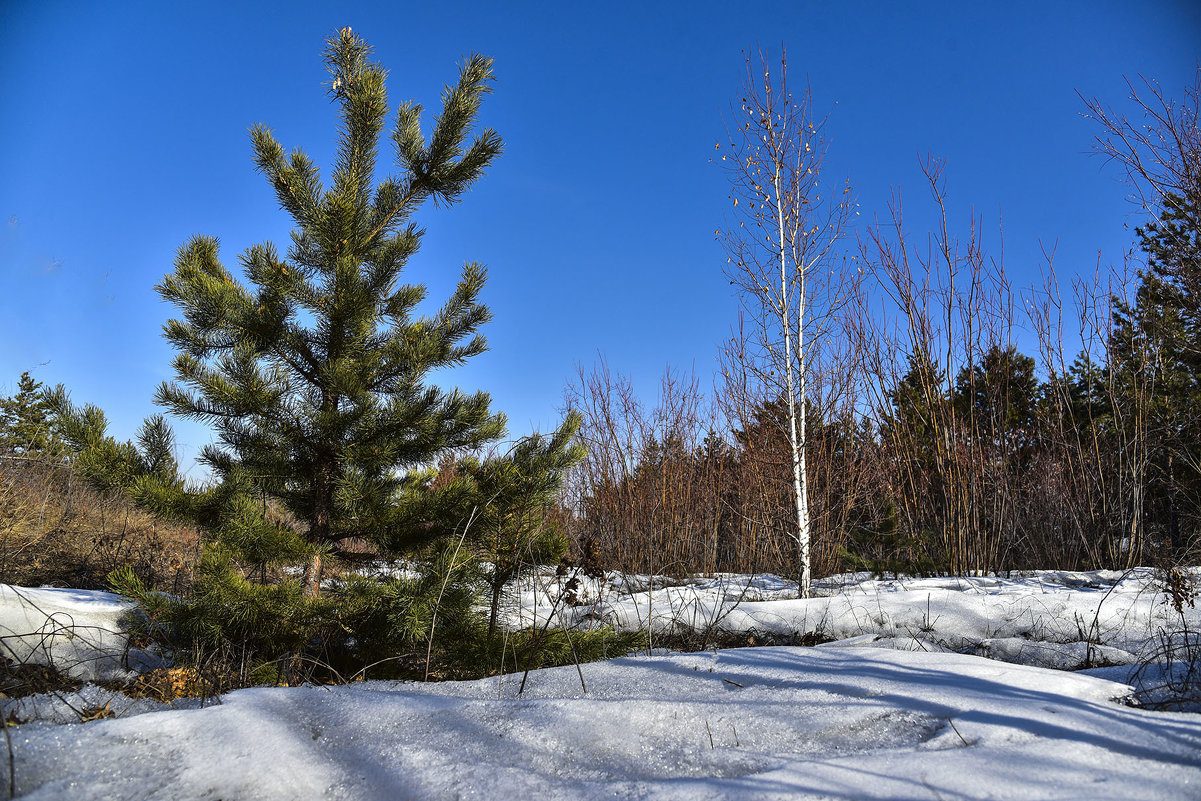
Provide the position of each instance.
(781, 243)
(1161, 154)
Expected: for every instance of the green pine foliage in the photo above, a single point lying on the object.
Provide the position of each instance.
(918, 408)
(314, 376)
(28, 426)
(999, 396)
(880, 546)
(314, 373)
(531, 649)
(1088, 406)
(145, 470)
(513, 528)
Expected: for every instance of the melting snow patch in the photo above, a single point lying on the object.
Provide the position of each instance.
(78, 632)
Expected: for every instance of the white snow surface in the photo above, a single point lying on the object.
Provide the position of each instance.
(80, 632)
(1059, 619)
(763, 723)
(903, 704)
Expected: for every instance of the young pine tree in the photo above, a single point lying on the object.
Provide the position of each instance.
(28, 426)
(313, 373)
(518, 491)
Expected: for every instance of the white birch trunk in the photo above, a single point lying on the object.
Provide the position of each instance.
(796, 439)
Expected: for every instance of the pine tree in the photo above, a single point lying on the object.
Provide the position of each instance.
(314, 372)
(27, 424)
(513, 527)
(999, 396)
(1085, 390)
(1156, 361)
(917, 408)
(314, 375)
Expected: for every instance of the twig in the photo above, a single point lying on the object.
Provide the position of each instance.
(12, 770)
(961, 737)
(575, 657)
(536, 642)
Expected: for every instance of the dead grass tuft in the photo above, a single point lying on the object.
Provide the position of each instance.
(167, 684)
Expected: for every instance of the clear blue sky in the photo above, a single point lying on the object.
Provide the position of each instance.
(123, 132)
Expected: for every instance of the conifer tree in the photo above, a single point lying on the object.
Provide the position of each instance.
(314, 375)
(27, 424)
(917, 405)
(1156, 362)
(314, 371)
(999, 396)
(145, 470)
(518, 491)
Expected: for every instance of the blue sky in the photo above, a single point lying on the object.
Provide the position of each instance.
(123, 132)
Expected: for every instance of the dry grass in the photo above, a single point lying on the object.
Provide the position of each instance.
(55, 530)
(167, 684)
(21, 679)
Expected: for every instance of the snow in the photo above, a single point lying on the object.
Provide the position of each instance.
(933, 688)
(785, 722)
(78, 631)
(1058, 619)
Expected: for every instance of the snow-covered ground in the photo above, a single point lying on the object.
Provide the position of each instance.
(746, 723)
(1056, 619)
(903, 704)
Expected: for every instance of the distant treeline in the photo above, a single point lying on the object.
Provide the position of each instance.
(933, 443)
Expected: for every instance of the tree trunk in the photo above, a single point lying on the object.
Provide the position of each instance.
(312, 576)
(319, 529)
(796, 441)
(495, 611)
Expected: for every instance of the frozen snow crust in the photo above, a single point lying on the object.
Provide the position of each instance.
(901, 705)
(758, 723)
(80, 632)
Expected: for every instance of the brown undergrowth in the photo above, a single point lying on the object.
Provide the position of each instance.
(57, 531)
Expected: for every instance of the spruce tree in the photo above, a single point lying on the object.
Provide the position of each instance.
(314, 371)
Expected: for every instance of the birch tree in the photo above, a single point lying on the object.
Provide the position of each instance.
(781, 240)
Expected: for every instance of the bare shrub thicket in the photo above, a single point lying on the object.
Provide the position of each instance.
(948, 420)
(672, 490)
(1095, 436)
(957, 404)
(651, 494)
